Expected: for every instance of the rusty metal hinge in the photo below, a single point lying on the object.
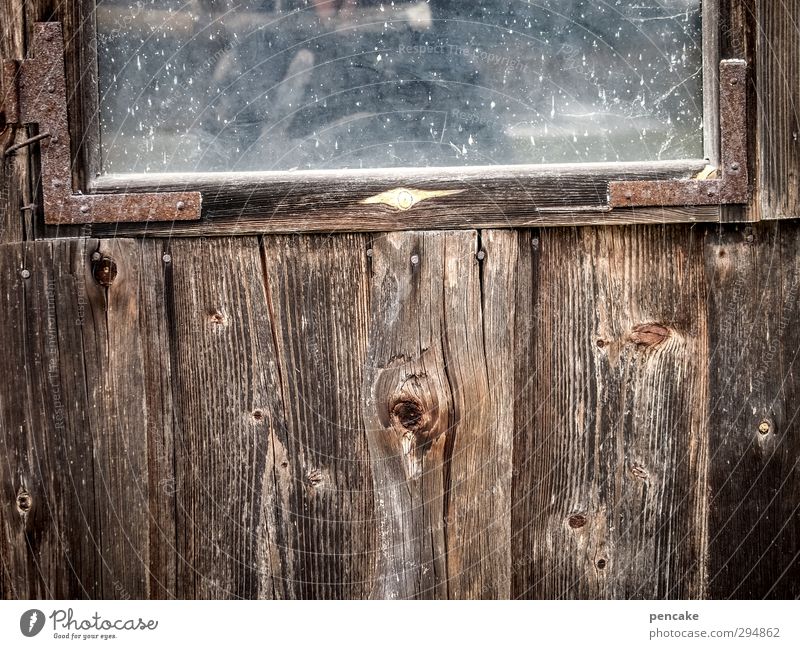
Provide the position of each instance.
(36, 93)
(731, 184)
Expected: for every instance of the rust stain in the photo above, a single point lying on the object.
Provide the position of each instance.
(42, 100)
(727, 185)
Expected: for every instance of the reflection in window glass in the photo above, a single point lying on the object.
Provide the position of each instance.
(219, 85)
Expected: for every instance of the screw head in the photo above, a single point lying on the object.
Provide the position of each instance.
(405, 200)
(24, 273)
(735, 166)
(764, 427)
(180, 205)
(84, 208)
(166, 258)
(96, 256)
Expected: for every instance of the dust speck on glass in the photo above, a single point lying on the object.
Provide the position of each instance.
(218, 85)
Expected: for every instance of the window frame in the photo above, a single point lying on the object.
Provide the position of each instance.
(333, 200)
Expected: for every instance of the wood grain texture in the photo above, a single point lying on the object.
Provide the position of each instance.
(610, 455)
(481, 373)
(158, 359)
(75, 463)
(230, 425)
(754, 429)
(384, 219)
(14, 169)
(437, 438)
(778, 94)
(318, 293)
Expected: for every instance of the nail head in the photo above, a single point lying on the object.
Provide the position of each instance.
(25, 273)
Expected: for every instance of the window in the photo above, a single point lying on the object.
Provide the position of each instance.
(326, 115)
(366, 84)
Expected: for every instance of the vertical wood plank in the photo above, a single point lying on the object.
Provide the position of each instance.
(159, 369)
(75, 438)
(14, 169)
(231, 430)
(408, 412)
(480, 369)
(429, 416)
(754, 301)
(318, 291)
(609, 495)
(49, 527)
(778, 96)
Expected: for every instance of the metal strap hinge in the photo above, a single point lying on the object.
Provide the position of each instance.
(731, 184)
(36, 93)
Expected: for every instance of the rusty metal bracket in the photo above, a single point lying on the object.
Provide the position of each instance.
(36, 93)
(731, 185)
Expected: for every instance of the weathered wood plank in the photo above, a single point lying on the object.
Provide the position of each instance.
(408, 413)
(230, 431)
(265, 221)
(76, 441)
(431, 422)
(778, 93)
(754, 303)
(113, 349)
(318, 292)
(14, 169)
(159, 367)
(610, 467)
(480, 369)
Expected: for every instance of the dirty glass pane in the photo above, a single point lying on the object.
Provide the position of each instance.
(218, 85)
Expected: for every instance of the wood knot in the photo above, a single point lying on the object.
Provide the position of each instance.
(649, 335)
(408, 414)
(577, 521)
(104, 271)
(315, 477)
(258, 415)
(217, 317)
(601, 563)
(414, 419)
(24, 501)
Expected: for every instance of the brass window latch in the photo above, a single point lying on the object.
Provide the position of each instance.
(36, 93)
